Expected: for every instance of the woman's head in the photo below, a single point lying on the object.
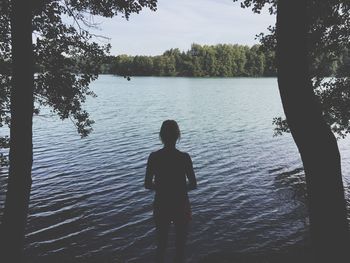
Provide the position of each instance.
(169, 132)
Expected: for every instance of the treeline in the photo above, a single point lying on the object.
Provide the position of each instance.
(222, 60)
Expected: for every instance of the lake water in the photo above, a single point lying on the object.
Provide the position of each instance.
(88, 200)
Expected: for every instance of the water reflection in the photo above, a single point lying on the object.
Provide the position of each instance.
(294, 180)
(88, 201)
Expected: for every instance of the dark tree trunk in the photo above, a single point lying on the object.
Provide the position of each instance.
(316, 143)
(19, 182)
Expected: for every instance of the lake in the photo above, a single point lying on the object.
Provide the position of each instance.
(88, 200)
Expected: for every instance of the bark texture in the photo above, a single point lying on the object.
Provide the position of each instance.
(316, 143)
(21, 154)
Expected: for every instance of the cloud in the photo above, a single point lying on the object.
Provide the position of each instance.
(178, 23)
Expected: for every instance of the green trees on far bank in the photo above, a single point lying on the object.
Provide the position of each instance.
(222, 60)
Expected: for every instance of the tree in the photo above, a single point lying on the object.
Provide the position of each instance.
(19, 182)
(225, 60)
(56, 47)
(142, 65)
(164, 65)
(255, 62)
(122, 65)
(315, 141)
(209, 61)
(306, 29)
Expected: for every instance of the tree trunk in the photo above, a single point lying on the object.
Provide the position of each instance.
(21, 154)
(316, 143)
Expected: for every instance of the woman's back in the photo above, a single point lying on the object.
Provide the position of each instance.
(170, 167)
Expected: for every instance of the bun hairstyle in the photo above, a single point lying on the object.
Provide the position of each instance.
(169, 132)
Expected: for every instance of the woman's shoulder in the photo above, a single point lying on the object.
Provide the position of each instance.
(184, 154)
(162, 152)
(156, 153)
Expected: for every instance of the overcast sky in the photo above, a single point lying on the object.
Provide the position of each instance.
(179, 23)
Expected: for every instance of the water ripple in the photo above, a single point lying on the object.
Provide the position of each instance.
(88, 203)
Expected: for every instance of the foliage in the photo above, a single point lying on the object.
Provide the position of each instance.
(222, 60)
(61, 38)
(329, 45)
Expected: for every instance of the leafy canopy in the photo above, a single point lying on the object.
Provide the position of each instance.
(221, 60)
(60, 34)
(328, 39)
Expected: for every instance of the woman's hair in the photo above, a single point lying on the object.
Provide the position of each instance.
(169, 132)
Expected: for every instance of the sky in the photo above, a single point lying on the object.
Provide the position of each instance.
(179, 23)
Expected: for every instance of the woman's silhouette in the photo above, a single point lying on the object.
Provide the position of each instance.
(166, 173)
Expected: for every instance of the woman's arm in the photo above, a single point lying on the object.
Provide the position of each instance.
(149, 174)
(192, 181)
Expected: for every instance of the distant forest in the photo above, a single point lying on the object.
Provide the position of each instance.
(222, 60)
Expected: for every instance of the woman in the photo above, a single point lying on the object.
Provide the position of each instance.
(166, 173)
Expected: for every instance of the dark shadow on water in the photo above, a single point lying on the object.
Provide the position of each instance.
(293, 180)
(291, 255)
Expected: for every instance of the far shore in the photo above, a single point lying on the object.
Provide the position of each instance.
(191, 77)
